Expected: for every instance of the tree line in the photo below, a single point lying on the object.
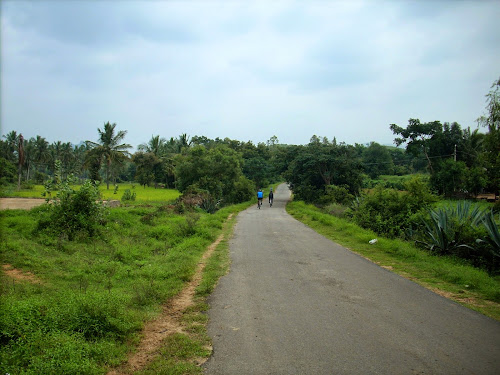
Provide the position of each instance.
(459, 161)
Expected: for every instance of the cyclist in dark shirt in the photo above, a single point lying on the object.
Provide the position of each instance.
(271, 197)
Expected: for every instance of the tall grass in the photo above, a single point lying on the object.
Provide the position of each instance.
(473, 287)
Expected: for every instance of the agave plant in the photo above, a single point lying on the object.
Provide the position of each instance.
(442, 230)
(494, 234)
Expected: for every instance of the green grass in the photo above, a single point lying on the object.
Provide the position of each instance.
(143, 195)
(181, 353)
(453, 278)
(92, 298)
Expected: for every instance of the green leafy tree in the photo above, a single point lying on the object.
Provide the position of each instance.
(146, 163)
(109, 147)
(320, 164)
(491, 121)
(217, 170)
(377, 160)
(7, 172)
(417, 137)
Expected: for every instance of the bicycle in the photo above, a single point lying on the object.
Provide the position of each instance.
(259, 203)
(271, 202)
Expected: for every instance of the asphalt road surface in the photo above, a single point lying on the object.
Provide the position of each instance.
(297, 303)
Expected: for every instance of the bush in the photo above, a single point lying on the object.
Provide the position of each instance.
(464, 230)
(389, 212)
(74, 212)
(128, 196)
(337, 194)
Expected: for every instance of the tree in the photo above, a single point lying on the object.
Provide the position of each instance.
(417, 136)
(41, 151)
(320, 164)
(12, 143)
(156, 146)
(146, 162)
(492, 139)
(377, 160)
(217, 170)
(109, 147)
(20, 162)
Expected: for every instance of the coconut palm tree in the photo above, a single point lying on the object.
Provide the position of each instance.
(41, 151)
(109, 147)
(156, 146)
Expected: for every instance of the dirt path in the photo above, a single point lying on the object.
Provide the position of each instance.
(20, 203)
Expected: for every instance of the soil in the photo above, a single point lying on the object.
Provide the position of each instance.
(19, 275)
(29, 203)
(20, 203)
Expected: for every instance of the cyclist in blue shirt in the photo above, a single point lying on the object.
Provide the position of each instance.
(260, 195)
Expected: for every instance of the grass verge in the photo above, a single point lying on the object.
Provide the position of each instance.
(184, 353)
(452, 278)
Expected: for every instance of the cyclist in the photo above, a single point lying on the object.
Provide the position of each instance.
(260, 195)
(271, 197)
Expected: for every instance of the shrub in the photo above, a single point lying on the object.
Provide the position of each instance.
(128, 196)
(337, 194)
(74, 212)
(389, 212)
(464, 230)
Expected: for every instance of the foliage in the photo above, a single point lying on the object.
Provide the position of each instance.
(93, 298)
(216, 170)
(377, 160)
(321, 164)
(128, 196)
(458, 230)
(337, 194)
(74, 212)
(417, 136)
(493, 238)
(390, 212)
(109, 148)
(7, 172)
(491, 121)
(450, 178)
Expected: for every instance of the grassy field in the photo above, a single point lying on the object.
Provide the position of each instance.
(82, 304)
(143, 194)
(452, 278)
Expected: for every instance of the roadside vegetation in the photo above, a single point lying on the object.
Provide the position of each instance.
(95, 286)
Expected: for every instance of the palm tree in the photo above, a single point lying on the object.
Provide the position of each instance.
(12, 140)
(41, 151)
(109, 146)
(156, 146)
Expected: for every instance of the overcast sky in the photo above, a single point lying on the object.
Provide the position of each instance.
(243, 69)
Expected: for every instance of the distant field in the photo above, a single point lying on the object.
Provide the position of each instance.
(148, 194)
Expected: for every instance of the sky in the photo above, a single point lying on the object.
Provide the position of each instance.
(246, 70)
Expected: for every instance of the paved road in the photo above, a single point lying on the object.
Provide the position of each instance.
(297, 303)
